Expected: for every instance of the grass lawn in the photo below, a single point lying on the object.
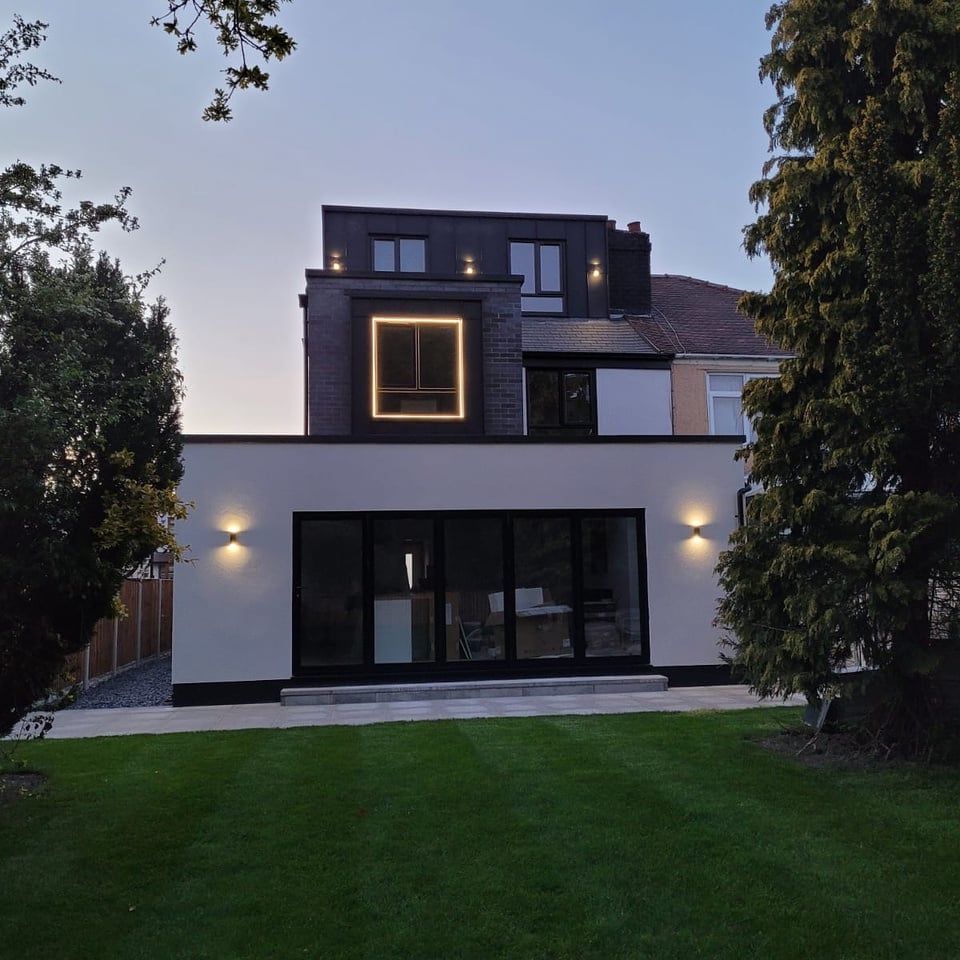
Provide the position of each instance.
(643, 835)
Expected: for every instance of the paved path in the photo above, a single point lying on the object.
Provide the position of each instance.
(115, 722)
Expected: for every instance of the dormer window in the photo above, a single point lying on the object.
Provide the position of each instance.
(400, 255)
(417, 368)
(541, 265)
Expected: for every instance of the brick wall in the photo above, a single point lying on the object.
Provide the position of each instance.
(502, 364)
(628, 267)
(329, 344)
(328, 373)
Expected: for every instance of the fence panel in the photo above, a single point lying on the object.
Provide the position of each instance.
(149, 624)
(128, 626)
(166, 615)
(145, 632)
(102, 650)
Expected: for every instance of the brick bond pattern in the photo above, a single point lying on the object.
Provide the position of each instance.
(329, 344)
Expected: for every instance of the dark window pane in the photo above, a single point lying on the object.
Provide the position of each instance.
(438, 356)
(413, 255)
(417, 403)
(331, 579)
(383, 255)
(544, 577)
(522, 262)
(403, 590)
(474, 575)
(550, 269)
(577, 399)
(611, 587)
(543, 399)
(396, 355)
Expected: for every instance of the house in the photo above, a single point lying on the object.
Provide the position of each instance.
(497, 476)
(715, 352)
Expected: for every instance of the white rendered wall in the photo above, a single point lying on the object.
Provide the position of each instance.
(233, 604)
(633, 402)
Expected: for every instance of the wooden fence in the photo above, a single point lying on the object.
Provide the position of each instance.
(145, 632)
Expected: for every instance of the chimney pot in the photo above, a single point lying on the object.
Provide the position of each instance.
(634, 227)
(611, 224)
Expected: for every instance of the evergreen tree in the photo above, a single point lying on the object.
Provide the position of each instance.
(89, 416)
(89, 434)
(853, 549)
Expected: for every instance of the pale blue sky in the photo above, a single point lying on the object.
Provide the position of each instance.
(643, 110)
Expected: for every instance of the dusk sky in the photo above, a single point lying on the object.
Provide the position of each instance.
(634, 109)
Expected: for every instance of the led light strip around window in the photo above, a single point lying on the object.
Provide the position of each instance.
(457, 324)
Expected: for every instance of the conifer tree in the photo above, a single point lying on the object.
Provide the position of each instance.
(853, 549)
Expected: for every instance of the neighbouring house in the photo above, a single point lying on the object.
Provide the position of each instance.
(715, 352)
(515, 462)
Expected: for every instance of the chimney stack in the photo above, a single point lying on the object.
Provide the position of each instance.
(628, 269)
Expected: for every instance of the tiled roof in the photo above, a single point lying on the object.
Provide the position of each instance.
(583, 336)
(696, 317)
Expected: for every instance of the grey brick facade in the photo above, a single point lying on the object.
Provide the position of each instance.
(329, 344)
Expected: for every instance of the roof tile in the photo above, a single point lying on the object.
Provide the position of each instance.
(692, 316)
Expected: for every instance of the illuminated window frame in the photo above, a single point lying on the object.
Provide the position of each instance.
(457, 324)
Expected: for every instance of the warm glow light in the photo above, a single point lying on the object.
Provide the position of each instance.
(696, 533)
(336, 265)
(469, 268)
(595, 271)
(457, 324)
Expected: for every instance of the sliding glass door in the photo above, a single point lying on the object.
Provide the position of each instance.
(444, 594)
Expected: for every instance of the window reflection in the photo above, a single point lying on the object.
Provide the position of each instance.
(544, 594)
(403, 590)
(473, 548)
(613, 621)
(330, 589)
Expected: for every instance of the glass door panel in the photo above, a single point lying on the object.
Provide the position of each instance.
(544, 592)
(612, 614)
(473, 554)
(403, 621)
(329, 592)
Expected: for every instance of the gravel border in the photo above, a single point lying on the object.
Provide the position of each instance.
(146, 685)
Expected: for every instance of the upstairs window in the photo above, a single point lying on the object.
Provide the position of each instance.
(724, 392)
(561, 402)
(541, 265)
(400, 255)
(417, 368)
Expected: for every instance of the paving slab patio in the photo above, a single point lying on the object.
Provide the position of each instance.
(75, 724)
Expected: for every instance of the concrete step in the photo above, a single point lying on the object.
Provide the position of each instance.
(460, 690)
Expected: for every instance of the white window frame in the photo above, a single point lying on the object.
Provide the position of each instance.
(748, 429)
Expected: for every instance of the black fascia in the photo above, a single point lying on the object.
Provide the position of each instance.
(632, 361)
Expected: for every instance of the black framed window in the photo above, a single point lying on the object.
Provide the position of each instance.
(400, 254)
(329, 592)
(541, 265)
(438, 594)
(561, 401)
(543, 564)
(473, 576)
(403, 602)
(417, 368)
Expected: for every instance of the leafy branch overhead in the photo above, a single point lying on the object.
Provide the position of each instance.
(14, 44)
(245, 28)
(32, 217)
(90, 401)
